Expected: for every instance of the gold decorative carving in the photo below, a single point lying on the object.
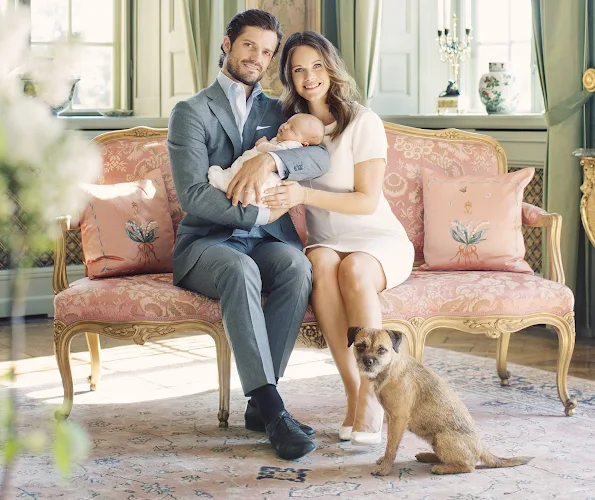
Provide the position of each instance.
(311, 336)
(493, 328)
(417, 323)
(589, 80)
(139, 333)
(294, 16)
(587, 205)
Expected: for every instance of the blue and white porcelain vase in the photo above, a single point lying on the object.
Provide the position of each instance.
(499, 90)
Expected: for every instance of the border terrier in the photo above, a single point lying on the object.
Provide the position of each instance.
(415, 397)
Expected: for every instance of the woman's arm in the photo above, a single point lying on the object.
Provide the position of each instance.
(369, 177)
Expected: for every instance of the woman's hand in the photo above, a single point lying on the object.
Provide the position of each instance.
(287, 195)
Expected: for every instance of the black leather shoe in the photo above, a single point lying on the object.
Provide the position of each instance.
(254, 422)
(287, 438)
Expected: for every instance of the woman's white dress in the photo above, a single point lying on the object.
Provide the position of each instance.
(379, 234)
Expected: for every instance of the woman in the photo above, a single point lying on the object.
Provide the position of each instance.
(357, 247)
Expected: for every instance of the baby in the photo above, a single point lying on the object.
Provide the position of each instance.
(300, 130)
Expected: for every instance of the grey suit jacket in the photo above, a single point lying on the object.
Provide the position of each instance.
(202, 132)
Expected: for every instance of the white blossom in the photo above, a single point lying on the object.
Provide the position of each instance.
(41, 162)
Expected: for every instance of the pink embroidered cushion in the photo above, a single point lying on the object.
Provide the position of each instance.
(474, 222)
(126, 228)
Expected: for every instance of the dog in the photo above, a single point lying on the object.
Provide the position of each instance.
(415, 397)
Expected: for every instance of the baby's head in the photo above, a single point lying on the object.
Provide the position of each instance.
(302, 127)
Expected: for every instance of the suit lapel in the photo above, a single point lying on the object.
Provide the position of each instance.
(254, 119)
(221, 108)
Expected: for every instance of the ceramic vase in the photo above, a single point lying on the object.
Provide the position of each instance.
(499, 90)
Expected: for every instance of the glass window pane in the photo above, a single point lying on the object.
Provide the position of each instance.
(486, 54)
(49, 20)
(492, 21)
(95, 90)
(93, 20)
(521, 22)
(520, 65)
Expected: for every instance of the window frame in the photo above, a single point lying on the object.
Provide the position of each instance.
(122, 62)
(469, 66)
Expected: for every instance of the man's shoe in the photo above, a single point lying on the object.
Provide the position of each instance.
(254, 421)
(287, 438)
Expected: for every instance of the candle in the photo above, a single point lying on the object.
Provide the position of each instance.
(467, 14)
(447, 14)
(440, 14)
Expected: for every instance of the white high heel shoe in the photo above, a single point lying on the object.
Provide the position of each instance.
(345, 432)
(368, 438)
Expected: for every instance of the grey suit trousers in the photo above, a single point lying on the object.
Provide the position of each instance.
(237, 271)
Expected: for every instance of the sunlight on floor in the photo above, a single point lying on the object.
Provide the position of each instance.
(158, 370)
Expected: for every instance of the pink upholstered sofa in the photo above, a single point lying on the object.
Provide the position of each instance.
(493, 303)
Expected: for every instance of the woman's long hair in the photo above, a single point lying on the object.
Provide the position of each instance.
(342, 93)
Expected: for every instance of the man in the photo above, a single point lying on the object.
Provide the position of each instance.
(233, 252)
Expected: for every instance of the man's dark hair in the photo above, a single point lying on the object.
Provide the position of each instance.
(251, 17)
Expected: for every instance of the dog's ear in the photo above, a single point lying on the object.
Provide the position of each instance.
(396, 338)
(351, 333)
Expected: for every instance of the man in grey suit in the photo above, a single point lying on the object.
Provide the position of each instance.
(233, 252)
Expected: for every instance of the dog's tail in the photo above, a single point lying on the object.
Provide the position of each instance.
(489, 461)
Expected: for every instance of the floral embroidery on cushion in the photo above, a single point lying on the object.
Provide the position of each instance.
(145, 235)
(469, 236)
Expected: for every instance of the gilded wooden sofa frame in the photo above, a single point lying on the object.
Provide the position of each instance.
(415, 329)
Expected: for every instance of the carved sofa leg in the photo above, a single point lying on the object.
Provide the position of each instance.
(62, 339)
(224, 370)
(95, 352)
(566, 336)
(501, 354)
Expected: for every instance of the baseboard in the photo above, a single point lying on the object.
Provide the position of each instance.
(40, 296)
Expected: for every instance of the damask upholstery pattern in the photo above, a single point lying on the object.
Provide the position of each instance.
(153, 297)
(120, 154)
(402, 184)
(408, 154)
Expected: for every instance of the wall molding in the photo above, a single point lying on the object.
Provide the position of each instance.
(40, 296)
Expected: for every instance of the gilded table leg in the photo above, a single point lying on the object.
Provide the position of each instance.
(502, 352)
(566, 336)
(95, 351)
(224, 369)
(62, 340)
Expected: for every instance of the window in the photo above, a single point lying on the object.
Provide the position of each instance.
(95, 29)
(503, 32)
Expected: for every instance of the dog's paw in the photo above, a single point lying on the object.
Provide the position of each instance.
(382, 470)
(384, 467)
(380, 460)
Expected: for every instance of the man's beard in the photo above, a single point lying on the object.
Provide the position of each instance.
(234, 69)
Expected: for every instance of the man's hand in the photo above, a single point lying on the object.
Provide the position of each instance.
(276, 213)
(250, 178)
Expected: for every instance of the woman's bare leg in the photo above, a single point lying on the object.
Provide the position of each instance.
(361, 278)
(329, 310)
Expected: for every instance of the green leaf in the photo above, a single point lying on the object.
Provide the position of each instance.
(11, 450)
(35, 441)
(456, 236)
(71, 445)
(133, 236)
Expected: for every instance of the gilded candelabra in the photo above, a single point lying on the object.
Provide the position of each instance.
(454, 50)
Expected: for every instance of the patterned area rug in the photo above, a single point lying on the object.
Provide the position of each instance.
(161, 441)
